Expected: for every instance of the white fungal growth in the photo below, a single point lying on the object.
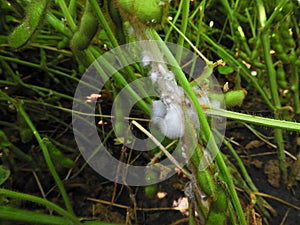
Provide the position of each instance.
(167, 113)
(162, 69)
(169, 76)
(154, 76)
(166, 99)
(172, 125)
(169, 118)
(158, 109)
(162, 3)
(193, 116)
(146, 58)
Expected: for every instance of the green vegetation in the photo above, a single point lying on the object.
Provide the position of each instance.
(46, 46)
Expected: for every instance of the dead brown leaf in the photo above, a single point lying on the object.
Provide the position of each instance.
(273, 172)
(257, 163)
(254, 144)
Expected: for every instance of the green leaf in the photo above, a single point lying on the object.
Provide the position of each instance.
(4, 174)
(235, 97)
(57, 156)
(26, 135)
(25, 132)
(225, 70)
(4, 142)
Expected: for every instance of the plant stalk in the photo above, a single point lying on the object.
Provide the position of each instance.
(271, 73)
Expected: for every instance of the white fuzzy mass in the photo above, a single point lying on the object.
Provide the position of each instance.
(172, 125)
(158, 109)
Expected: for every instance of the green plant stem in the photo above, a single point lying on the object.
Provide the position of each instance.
(13, 214)
(233, 20)
(183, 27)
(233, 219)
(18, 152)
(38, 200)
(112, 38)
(261, 121)
(104, 23)
(295, 89)
(250, 185)
(67, 15)
(62, 51)
(174, 20)
(295, 75)
(47, 158)
(121, 80)
(37, 66)
(58, 25)
(268, 22)
(252, 24)
(239, 66)
(19, 106)
(281, 153)
(72, 8)
(234, 197)
(268, 58)
(200, 24)
(38, 89)
(33, 107)
(241, 165)
(207, 133)
(229, 14)
(209, 63)
(273, 86)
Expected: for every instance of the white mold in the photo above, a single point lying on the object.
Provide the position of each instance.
(172, 125)
(158, 109)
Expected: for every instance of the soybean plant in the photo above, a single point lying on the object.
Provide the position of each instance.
(204, 183)
(34, 16)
